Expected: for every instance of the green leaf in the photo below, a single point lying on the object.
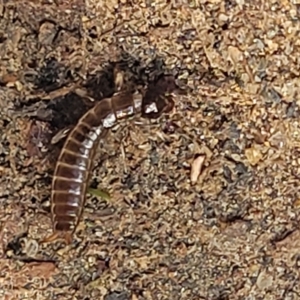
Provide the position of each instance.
(99, 193)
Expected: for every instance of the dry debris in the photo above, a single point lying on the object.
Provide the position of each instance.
(233, 232)
(196, 168)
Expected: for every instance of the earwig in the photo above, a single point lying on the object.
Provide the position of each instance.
(74, 166)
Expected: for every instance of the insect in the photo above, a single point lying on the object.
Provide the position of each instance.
(73, 169)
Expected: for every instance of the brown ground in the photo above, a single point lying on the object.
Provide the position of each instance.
(232, 234)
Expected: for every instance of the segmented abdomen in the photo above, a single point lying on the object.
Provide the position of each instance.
(71, 176)
(72, 172)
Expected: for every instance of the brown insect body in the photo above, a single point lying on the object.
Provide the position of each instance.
(73, 169)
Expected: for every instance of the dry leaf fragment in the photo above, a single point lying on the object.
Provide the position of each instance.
(41, 269)
(31, 248)
(61, 134)
(253, 155)
(8, 78)
(134, 297)
(264, 280)
(234, 54)
(197, 168)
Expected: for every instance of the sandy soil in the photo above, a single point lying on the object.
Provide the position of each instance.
(204, 200)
